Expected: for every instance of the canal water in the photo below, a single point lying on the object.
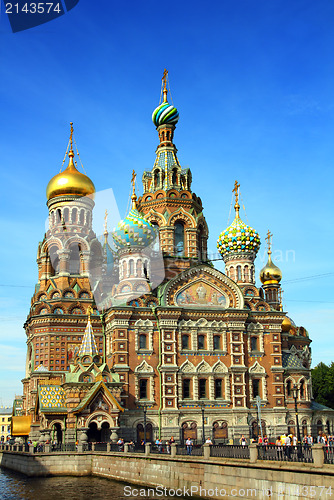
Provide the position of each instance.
(14, 486)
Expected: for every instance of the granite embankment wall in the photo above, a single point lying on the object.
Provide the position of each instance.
(224, 478)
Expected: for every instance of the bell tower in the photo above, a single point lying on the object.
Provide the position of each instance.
(168, 202)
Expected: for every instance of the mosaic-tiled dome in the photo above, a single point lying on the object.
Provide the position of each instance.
(133, 231)
(238, 237)
(165, 113)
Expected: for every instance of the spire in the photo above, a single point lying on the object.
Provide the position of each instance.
(134, 197)
(269, 240)
(88, 345)
(164, 85)
(236, 192)
(105, 232)
(71, 152)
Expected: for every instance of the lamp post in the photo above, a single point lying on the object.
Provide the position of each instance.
(295, 395)
(203, 432)
(144, 410)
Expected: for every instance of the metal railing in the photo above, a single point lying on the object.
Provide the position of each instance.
(196, 450)
(229, 451)
(329, 454)
(297, 453)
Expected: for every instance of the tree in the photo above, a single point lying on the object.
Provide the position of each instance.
(323, 384)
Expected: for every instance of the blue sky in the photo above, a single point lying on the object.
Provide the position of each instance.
(253, 82)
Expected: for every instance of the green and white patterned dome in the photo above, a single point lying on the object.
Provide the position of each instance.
(238, 238)
(133, 231)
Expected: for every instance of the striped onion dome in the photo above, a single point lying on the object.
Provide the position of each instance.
(165, 114)
(133, 231)
(238, 238)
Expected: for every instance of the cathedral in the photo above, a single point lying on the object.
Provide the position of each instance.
(137, 335)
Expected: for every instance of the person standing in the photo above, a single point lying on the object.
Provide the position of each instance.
(243, 441)
(189, 445)
(279, 445)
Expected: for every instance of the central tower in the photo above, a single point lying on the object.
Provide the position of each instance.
(168, 202)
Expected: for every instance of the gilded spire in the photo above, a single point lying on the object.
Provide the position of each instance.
(164, 85)
(105, 232)
(280, 295)
(236, 192)
(134, 197)
(71, 152)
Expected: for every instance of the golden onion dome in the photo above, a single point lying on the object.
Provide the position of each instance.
(286, 324)
(270, 273)
(70, 182)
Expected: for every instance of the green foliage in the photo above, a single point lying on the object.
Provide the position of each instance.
(323, 384)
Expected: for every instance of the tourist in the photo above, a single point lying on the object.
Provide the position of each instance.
(265, 442)
(294, 440)
(279, 445)
(305, 442)
(309, 440)
(243, 441)
(288, 446)
(120, 444)
(189, 445)
(260, 440)
(208, 441)
(131, 446)
(77, 444)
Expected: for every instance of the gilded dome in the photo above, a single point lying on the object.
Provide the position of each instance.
(238, 237)
(70, 182)
(286, 324)
(270, 273)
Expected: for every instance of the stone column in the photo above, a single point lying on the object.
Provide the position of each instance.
(253, 453)
(126, 447)
(173, 450)
(83, 438)
(318, 455)
(64, 257)
(147, 449)
(206, 449)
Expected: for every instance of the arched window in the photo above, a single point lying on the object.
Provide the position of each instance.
(288, 388)
(179, 239)
(186, 388)
(256, 387)
(58, 216)
(131, 268)
(66, 214)
(291, 427)
(54, 260)
(200, 244)
(74, 215)
(218, 388)
(319, 427)
(156, 244)
(82, 217)
(74, 266)
(142, 341)
(156, 178)
(239, 273)
(185, 341)
(247, 274)
(304, 427)
(201, 342)
(302, 390)
(216, 342)
(202, 388)
(143, 388)
(254, 343)
(174, 176)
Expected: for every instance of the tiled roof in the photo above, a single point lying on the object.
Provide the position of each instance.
(52, 399)
(88, 345)
(291, 361)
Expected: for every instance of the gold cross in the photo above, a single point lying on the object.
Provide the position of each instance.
(71, 135)
(164, 79)
(236, 191)
(268, 238)
(133, 181)
(105, 221)
(89, 311)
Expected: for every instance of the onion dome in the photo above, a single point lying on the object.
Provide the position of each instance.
(238, 237)
(165, 114)
(270, 273)
(70, 181)
(134, 230)
(286, 324)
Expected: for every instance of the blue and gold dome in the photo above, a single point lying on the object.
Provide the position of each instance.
(165, 114)
(238, 237)
(133, 231)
